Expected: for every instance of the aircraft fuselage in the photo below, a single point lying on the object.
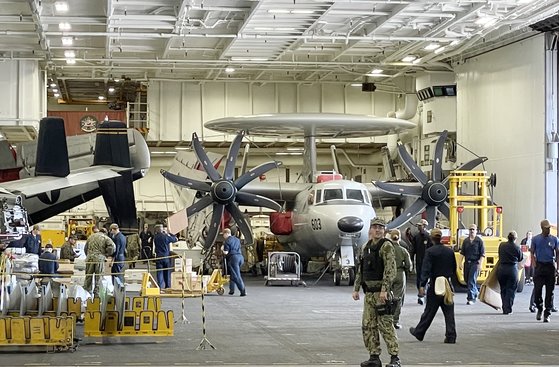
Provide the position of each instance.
(328, 215)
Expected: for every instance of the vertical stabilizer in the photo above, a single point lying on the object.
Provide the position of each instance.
(52, 149)
(111, 148)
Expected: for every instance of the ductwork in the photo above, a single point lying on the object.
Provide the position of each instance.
(409, 110)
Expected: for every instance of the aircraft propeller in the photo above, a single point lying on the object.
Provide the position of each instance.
(432, 195)
(223, 192)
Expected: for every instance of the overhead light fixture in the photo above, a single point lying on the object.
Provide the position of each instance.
(525, 1)
(229, 70)
(409, 58)
(116, 80)
(439, 50)
(101, 98)
(70, 61)
(289, 153)
(377, 71)
(182, 148)
(70, 54)
(484, 20)
(356, 85)
(64, 26)
(61, 6)
(56, 95)
(111, 89)
(291, 11)
(67, 41)
(416, 61)
(431, 46)
(454, 43)
(295, 149)
(53, 85)
(235, 58)
(55, 90)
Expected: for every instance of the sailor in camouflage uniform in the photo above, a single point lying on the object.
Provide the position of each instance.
(403, 266)
(132, 249)
(376, 271)
(97, 247)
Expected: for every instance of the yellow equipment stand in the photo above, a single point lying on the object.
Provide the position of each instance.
(142, 317)
(56, 332)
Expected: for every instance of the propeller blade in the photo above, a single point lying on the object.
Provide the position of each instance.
(203, 158)
(214, 225)
(393, 188)
(467, 167)
(437, 170)
(245, 198)
(186, 182)
(241, 222)
(431, 216)
(232, 155)
(412, 167)
(408, 214)
(444, 208)
(255, 172)
(245, 159)
(199, 205)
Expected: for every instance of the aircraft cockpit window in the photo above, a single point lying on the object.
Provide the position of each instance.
(332, 194)
(318, 197)
(353, 194)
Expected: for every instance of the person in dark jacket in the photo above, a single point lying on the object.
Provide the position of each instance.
(162, 241)
(146, 246)
(33, 241)
(473, 252)
(48, 265)
(420, 243)
(118, 238)
(507, 273)
(439, 262)
(234, 258)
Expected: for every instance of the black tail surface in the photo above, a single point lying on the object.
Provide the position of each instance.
(52, 149)
(111, 148)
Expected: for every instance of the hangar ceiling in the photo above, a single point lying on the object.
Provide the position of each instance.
(88, 46)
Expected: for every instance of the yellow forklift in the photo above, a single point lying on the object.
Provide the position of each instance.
(469, 193)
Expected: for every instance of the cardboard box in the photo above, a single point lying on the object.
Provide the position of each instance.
(179, 262)
(191, 281)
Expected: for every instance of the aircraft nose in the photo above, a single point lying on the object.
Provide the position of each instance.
(350, 224)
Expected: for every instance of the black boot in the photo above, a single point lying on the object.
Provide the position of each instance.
(374, 361)
(394, 362)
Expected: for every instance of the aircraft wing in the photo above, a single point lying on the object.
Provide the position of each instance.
(284, 191)
(33, 186)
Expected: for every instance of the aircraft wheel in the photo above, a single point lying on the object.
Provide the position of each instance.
(337, 277)
(521, 281)
(351, 276)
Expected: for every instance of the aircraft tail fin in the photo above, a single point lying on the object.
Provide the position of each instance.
(52, 149)
(111, 148)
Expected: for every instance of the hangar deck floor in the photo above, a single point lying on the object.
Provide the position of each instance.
(317, 325)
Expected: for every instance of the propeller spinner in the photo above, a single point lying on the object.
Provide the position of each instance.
(432, 195)
(223, 192)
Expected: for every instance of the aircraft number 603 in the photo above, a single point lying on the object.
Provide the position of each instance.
(315, 224)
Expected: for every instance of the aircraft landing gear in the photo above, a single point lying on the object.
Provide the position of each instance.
(344, 273)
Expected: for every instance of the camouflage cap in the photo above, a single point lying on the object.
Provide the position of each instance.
(378, 221)
(435, 232)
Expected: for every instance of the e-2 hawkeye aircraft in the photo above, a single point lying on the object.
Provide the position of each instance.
(322, 217)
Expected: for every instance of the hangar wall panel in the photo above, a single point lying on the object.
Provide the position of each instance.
(22, 93)
(501, 115)
(179, 108)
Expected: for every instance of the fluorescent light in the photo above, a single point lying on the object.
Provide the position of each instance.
(409, 58)
(101, 98)
(56, 95)
(61, 6)
(69, 54)
(484, 19)
(302, 11)
(111, 89)
(229, 70)
(356, 85)
(235, 58)
(182, 148)
(524, 1)
(439, 50)
(454, 43)
(64, 26)
(116, 80)
(289, 153)
(416, 61)
(55, 90)
(432, 46)
(377, 75)
(67, 41)
(291, 11)
(294, 149)
(377, 71)
(53, 85)
(263, 28)
(278, 11)
(70, 61)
